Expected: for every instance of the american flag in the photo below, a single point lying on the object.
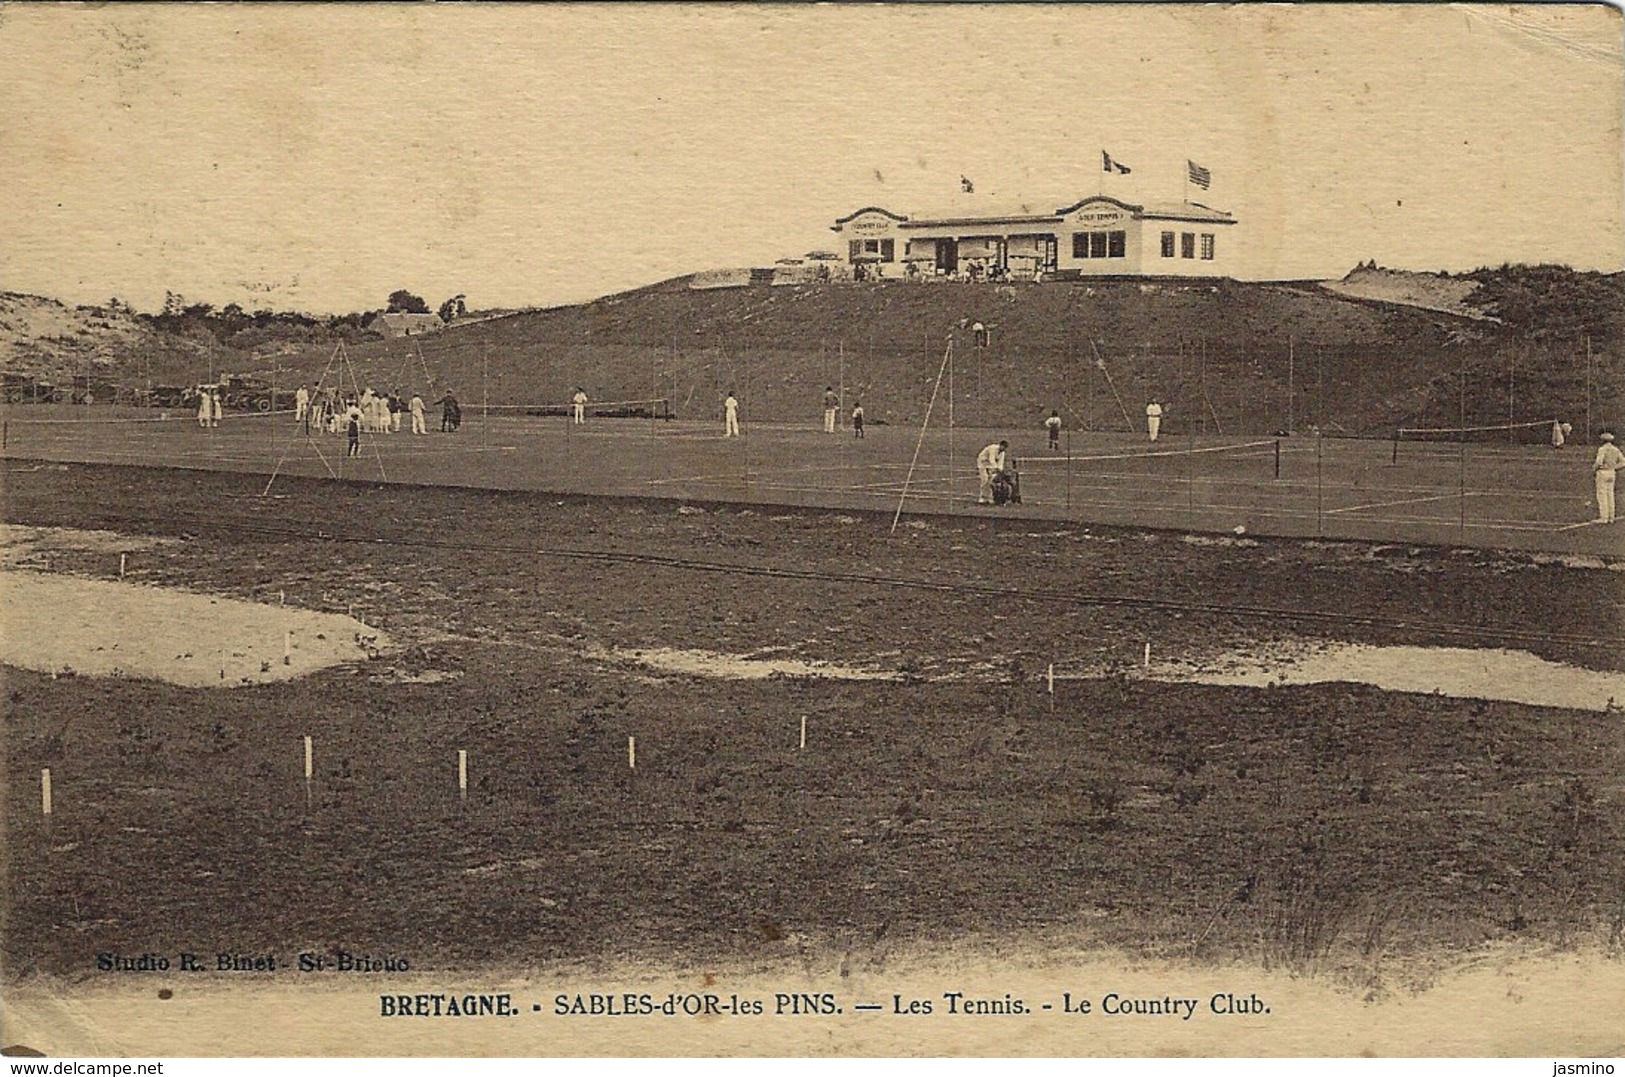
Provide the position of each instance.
(1199, 175)
(1109, 165)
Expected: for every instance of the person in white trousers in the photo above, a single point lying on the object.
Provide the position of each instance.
(301, 404)
(989, 462)
(580, 402)
(730, 412)
(1153, 419)
(1607, 464)
(831, 402)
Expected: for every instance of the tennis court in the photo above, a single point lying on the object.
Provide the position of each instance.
(1518, 496)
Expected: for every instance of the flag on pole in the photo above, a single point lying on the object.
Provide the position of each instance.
(1199, 175)
(1109, 165)
(966, 185)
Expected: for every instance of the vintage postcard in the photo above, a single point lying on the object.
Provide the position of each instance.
(847, 530)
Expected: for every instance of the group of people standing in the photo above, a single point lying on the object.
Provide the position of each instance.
(832, 407)
(208, 406)
(374, 413)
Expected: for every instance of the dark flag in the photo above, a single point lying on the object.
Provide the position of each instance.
(1199, 175)
(1109, 165)
(966, 185)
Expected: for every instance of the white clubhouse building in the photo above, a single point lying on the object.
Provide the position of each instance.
(1099, 236)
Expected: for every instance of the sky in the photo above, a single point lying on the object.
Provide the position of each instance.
(319, 157)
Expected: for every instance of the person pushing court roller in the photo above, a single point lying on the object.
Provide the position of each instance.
(989, 463)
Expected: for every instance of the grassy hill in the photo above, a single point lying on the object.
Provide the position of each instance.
(1225, 356)
(1218, 354)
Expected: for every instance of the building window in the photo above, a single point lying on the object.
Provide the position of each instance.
(885, 248)
(1207, 246)
(1099, 244)
(1187, 244)
(1167, 244)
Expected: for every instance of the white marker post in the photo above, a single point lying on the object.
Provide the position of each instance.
(803, 732)
(309, 770)
(45, 791)
(282, 598)
(1049, 677)
(462, 773)
(1148, 655)
(121, 566)
(632, 752)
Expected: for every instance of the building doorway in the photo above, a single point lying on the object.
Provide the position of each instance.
(947, 256)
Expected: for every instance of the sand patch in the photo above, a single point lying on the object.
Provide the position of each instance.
(21, 547)
(735, 667)
(1459, 672)
(107, 628)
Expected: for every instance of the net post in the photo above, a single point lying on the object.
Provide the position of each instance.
(1394, 457)
(1277, 457)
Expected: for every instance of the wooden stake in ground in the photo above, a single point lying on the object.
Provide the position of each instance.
(309, 771)
(632, 752)
(1148, 654)
(462, 773)
(803, 732)
(45, 791)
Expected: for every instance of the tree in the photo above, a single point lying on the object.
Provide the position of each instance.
(404, 302)
(453, 308)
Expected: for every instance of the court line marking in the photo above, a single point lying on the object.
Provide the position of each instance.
(1406, 501)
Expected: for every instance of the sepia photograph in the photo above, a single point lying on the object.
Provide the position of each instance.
(812, 531)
